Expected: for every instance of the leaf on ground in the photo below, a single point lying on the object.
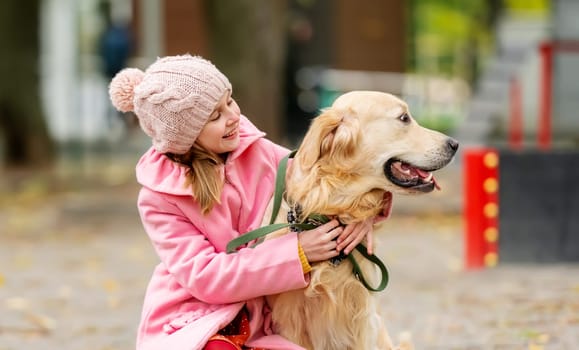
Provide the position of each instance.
(530, 334)
(111, 285)
(114, 302)
(136, 253)
(18, 222)
(43, 322)
(538, 339)
(544, 338)
(23, 261)
(65, 292)
(454, 264)
(34, 189)
(94, 264)
(17, 303)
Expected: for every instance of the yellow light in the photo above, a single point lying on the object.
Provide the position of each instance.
(491, 234)
(491, 210)
(491, 185)
(491, 160)
(491, 259)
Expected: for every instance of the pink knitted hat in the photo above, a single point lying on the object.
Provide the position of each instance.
(173, 98)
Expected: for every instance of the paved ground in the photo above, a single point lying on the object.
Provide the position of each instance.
(74, 263)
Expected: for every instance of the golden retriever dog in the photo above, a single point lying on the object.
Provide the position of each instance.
(354, 156)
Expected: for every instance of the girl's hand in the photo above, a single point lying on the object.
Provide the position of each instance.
(355, 233)
(319, 244)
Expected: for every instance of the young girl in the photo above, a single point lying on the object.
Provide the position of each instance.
(206, 180)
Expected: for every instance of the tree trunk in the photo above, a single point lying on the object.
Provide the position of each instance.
(24, 130)
(248, 44)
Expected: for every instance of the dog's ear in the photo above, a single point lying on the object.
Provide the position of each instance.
(334, 134)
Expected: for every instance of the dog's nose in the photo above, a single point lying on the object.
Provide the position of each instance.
(452, 144)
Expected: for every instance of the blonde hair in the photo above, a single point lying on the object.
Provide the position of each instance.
(203, 175)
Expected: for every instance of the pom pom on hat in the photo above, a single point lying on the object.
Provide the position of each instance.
(172, 99)
(122, 88)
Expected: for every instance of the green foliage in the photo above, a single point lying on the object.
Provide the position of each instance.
(443, 122)
(448, 37)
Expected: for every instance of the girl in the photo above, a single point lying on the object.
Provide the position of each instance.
(207, 179)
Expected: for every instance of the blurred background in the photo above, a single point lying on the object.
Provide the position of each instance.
(498, 75)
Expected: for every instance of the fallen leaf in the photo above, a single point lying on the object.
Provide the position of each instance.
(44, 322)
(111, 285)
(23, 261)
(17, 303)
(530, 334)
(136, 253)
(543, 338)
(113, 302)
(65, 292)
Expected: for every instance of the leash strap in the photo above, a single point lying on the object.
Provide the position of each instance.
(259, 233)
(322, 219)
(280, 185)
(374, 259)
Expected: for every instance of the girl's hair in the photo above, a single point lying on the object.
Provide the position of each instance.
(203, 174)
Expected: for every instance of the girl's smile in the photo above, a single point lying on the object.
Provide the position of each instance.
(232, 133)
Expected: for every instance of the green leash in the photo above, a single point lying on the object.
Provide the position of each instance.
(259, 233)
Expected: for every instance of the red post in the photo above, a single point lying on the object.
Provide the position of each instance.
(516, 115)
(545, 96)
(481, 211)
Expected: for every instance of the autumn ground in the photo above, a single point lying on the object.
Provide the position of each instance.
(74, 262)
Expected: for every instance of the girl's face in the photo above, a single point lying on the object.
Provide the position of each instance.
(221, 132)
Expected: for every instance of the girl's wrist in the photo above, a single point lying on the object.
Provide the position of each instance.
(306, 267)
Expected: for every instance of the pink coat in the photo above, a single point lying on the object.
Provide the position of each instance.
(197, 288)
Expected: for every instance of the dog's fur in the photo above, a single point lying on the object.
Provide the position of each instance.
(341, 170)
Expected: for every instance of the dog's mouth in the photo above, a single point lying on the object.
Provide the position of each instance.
(409, 176)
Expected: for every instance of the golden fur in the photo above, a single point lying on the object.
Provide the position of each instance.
(339, 171)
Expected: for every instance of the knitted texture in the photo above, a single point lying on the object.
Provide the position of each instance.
(172, 99)
(306, 267)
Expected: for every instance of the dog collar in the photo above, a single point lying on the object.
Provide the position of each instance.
(316, 220)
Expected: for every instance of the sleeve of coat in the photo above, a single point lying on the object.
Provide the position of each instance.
(217, 277)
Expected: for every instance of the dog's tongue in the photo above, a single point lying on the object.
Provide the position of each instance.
(425, 174)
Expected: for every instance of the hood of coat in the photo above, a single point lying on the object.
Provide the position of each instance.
(157, 172)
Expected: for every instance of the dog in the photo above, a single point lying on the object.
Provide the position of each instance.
(354, 156)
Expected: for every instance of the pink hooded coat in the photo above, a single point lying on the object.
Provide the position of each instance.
(197, 288)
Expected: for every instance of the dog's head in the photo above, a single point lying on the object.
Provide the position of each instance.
(368, 144)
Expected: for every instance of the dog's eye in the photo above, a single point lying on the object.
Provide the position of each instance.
(405, 118)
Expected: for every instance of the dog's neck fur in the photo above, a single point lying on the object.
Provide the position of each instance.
(319, 194)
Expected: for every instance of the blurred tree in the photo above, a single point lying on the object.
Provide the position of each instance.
(25, 134)
(248, 43)
(451, 37)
